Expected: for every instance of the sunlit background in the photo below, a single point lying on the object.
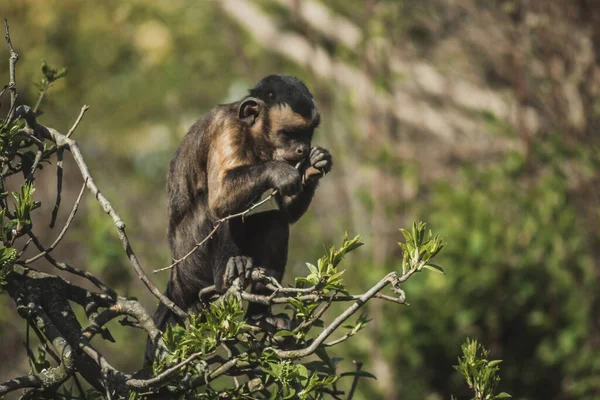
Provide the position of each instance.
(479, 117)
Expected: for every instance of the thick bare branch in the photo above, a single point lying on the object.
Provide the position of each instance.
(27, 381)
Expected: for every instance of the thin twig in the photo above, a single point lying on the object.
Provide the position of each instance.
(390, 278)
(339, 340)
(196, 247)
(44, 343)
(141, 383)
(36, 161)
(11, 111)
(12, 84)
(63, 141)
(78, 120)
(283, 295)
(27, 346)
(358, 365)
(25, 246)
(59, 179)
(41, 96)
(316, 316)
(63, 232)
(66, 267)
(217, 225)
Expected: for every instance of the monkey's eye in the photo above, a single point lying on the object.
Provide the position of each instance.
(271, 95)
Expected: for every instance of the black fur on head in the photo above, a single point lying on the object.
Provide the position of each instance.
(286, 89)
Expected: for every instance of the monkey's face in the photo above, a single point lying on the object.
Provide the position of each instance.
(290, 133)
(286, 115)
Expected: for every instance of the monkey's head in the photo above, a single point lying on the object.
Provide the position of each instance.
(282, 112)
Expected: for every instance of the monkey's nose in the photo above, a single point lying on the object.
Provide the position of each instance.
(302, 150)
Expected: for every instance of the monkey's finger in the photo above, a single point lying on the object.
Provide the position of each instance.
(239, 267)
(249, 268)
(320, 155)
(321, 164)
(231, 271)
(227, 276)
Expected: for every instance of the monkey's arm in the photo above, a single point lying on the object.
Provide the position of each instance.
(294, 207)
(235, 189)
(320, 163)
(235, 177)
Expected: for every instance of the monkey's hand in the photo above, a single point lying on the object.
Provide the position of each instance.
(237, 267)
(285, 178)
(321, 163)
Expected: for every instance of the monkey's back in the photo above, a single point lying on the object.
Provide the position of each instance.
(190, 220)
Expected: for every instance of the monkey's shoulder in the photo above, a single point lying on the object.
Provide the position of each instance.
(213, 121)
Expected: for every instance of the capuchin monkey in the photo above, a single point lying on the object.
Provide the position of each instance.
(227, 160)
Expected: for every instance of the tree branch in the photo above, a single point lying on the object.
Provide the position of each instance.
(68, 268)
(12, 84)
(27, 381)
(78, 120)
(64, 142)
(59, 178)
(62, 233)
(392, 277)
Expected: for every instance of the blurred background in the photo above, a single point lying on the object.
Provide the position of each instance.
(479, 117)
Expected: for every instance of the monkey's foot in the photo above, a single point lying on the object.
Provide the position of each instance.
(238, 267)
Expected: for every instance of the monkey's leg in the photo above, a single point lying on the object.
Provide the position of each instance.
(263, 237)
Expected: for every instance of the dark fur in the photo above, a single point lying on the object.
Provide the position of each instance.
(228, 159)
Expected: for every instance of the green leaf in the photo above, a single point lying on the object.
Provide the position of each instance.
(302, 371)
(503, 395)
(435, 268)
(407, 235)
(283, 333)
(364, 374)
(312, 268)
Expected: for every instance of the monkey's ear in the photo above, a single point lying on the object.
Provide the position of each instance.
(249, 110)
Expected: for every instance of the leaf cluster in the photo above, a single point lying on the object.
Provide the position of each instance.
(221, 322)
(9, 139)
(480, 373)
(420, 249)
(294, 381)
(223, 325)
(324, 277)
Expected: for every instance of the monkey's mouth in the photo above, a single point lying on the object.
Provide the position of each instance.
(293, 160)
(297, 163)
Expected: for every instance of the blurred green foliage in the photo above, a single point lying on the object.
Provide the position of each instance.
(518, 209)
(523, 278)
